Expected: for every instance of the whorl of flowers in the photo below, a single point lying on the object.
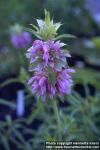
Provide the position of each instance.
(19, 38)
(48, 61)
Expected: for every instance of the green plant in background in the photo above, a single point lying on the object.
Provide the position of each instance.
(78, 122)
(75, 15)
(78, 118)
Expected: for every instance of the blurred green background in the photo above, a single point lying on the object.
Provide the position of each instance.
(80, 18)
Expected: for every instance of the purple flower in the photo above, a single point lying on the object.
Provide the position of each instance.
(41, 87)
(47, 61)
(20, 40)
(38, 45)
(55, 45)
(64, 81)
(49, 53)
(46, 53)
(42, 56)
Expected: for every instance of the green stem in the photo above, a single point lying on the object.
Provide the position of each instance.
(58, 118)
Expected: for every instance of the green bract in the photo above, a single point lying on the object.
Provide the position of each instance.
(51, 76)
(46, 29)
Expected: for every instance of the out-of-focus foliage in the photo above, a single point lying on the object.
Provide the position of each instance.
(72, 10)
(76, 18)
(96, 41)
(8, 66)
(78, 122)
(79, 115)
(87, 76)
(72, 13)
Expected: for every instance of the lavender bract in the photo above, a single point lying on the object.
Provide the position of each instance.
(41, 86)
(47, 53)
(64, 81)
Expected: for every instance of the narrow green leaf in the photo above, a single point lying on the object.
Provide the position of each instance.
(65, 36)
(13, 80)
(4, 142)
(6, 103)
(47, 16)
(19, 135)
(35, 27)
(57, 25)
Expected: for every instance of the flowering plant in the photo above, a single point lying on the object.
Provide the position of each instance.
(19, 38)
(47, 59)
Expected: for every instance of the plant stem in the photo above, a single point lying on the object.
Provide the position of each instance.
(57, 117)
